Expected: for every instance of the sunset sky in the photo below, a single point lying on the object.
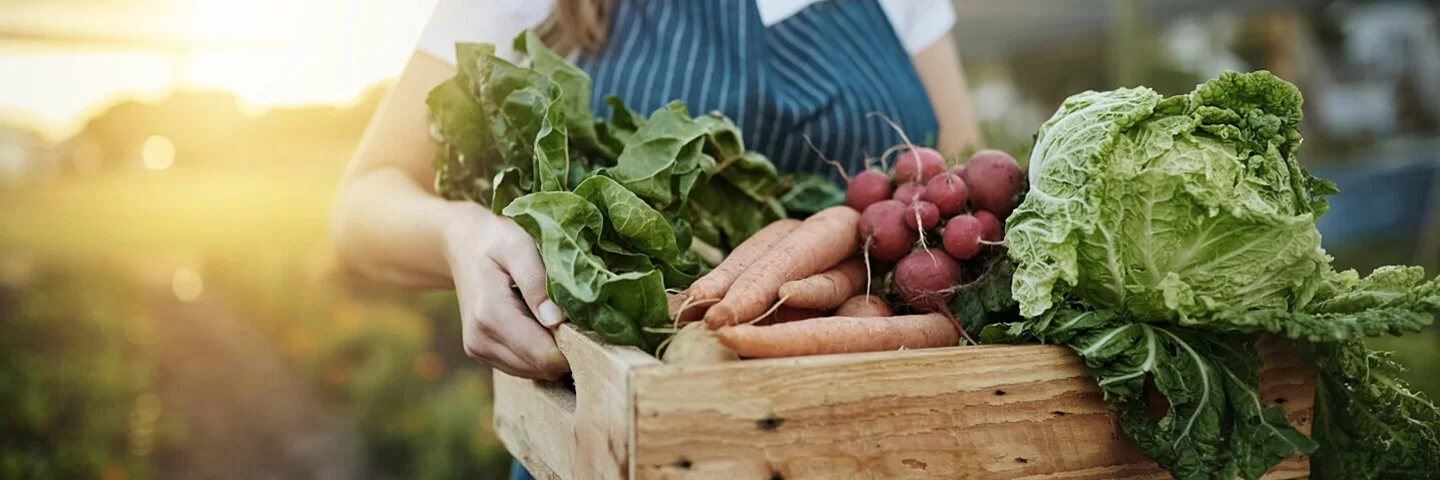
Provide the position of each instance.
(64, 60)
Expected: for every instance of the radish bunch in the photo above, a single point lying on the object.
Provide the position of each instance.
(929, 219)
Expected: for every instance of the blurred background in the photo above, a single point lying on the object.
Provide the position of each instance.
(167, 303)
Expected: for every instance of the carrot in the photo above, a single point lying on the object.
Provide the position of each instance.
(864, 306)
(786, 314)
(820, 242)
(827, 289)
(708, 289)
(831, 335)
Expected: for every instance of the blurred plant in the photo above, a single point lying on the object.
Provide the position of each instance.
(414, 425)
(76, 369)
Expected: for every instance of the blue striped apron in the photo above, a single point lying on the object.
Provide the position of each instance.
(820, 73)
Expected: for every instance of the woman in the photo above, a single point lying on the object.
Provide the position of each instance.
(782, 70)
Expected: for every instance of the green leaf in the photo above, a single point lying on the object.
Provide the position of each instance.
(552, 154)
(617, 306)
(636, 224)
(985, 298)
(723, 205)
(575, 87)
(669, 143)
(1370, 424)
(465, 152)
(811, 193)
(507, 189)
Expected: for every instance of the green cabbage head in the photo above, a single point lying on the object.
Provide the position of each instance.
(1168, 209)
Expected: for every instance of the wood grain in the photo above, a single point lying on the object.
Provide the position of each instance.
(1003, 412)
(579, 435)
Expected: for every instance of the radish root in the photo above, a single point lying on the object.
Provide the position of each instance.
(833, 163)
(919, 228)
(772, 309)
(906, 139)
(690, 301)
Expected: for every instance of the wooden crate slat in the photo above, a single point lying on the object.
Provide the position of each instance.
(1005, 412)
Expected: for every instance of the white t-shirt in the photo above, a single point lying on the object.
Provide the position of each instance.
(919, 23)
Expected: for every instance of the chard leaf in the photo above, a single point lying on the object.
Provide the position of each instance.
(617, 306)
(464, 151)
(668, 145)
(634, 223)
(507, 189)
(623, 124)
(721, 204)
(552, 153)
(575, 87)
(811, 193)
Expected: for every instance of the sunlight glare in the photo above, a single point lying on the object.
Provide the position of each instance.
(187, 285)
(158, 152)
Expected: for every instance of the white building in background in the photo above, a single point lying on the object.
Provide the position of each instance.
(24, 155)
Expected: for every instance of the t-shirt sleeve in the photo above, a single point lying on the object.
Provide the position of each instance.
(479, 21)
(920, 23)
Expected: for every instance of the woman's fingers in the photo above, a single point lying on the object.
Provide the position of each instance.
(523, 263)
(499, 317)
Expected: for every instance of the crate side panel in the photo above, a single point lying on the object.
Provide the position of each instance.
(974, 412)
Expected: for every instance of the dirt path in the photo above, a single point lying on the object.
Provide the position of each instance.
(247, 413)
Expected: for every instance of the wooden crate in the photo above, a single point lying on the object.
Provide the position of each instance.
(992, 412)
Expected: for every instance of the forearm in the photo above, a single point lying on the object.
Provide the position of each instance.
(389, 229)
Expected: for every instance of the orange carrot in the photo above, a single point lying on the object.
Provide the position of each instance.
(831, 335)
(787, 313)
(827, 289)
(820, 242)
(711, 287)
(864, 306)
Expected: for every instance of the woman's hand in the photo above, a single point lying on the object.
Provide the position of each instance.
(488, 254)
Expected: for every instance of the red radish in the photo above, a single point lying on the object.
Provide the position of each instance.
(926, 279)
(990, 228)
(995, 181)
(909, 192)
(962, 236)
(921, 215)
(947, 192)
(882, 229)
(918, 165)
(868, 187)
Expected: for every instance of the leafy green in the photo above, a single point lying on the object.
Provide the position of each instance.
(1161, 237)
(618, 306)
(1369, 423)
(811, 193)
(613, 205)
(1170, 207)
